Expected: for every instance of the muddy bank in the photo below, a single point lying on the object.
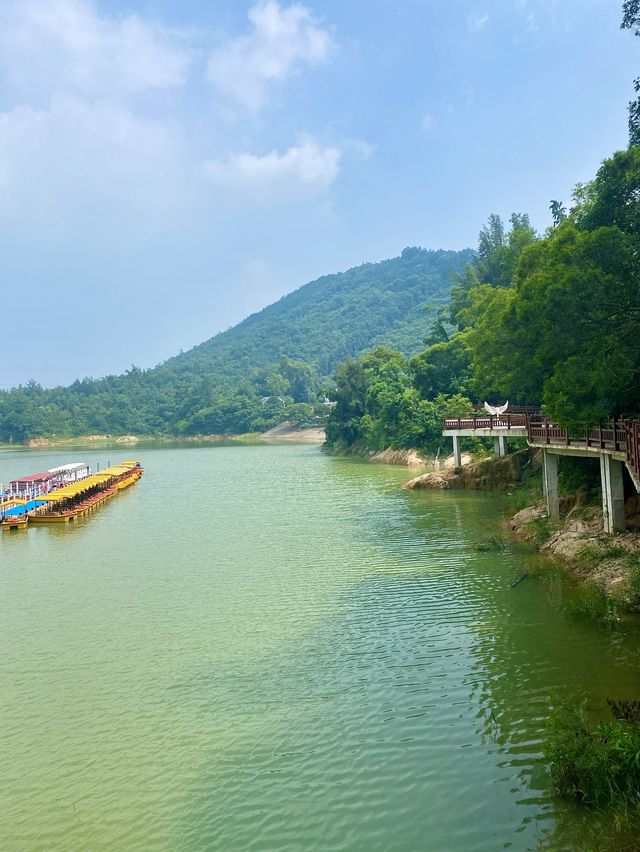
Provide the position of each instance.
(403, 458)
(488, 474)
(408, 458)
(294, 434)
(81, 439)
(579, 543)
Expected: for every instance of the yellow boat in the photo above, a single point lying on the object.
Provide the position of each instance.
(79, 498)
(14, 522)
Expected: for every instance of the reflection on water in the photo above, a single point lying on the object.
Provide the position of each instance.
(265, 648)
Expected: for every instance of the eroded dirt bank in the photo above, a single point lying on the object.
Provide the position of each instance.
(578, 541)
(488, 474)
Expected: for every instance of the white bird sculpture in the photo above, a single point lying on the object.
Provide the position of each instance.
(496, 409)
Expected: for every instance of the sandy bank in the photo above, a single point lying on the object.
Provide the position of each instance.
(294, 434)
(580, 543)
(82, 439)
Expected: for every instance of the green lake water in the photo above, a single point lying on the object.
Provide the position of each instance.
(264, 648)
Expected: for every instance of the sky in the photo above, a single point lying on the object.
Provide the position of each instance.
(167, 167)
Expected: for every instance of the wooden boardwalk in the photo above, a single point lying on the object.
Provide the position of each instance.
(616, 443)
(618, 436)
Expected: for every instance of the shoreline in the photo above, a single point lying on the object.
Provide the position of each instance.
(607, 563)
(284, 432)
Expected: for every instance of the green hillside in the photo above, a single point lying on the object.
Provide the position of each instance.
(273, 364)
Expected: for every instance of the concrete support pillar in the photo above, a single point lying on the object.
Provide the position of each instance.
(457, 455)
(550, 478)
(612, 494)
(500, 446)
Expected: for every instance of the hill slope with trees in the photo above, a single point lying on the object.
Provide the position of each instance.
(272, 366)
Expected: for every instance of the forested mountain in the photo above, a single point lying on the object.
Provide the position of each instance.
(338, 315)
(273, 365)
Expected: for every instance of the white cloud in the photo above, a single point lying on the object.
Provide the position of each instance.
(427, 122)
(281, 39)
(362, 150)
(476, 22)
(87, 146)
(52, 45)
(82, 162)
(304, 166)
(532, 23)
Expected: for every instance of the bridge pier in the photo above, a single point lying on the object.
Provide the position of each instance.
(500, 446)
(457, 455)
(612, 494)
(550, 484)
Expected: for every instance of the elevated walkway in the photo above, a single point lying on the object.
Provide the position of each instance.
(500, 427)
(615, 444)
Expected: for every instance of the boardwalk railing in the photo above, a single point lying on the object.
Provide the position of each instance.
(632, 429)
(611, 436)
(618, 436)
(487, 421)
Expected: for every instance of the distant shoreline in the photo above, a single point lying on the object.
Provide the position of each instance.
(285, 432)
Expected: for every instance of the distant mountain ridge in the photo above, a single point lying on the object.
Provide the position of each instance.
(345, 313)
(236, 380)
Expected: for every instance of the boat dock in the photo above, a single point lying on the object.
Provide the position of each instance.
(76, 493)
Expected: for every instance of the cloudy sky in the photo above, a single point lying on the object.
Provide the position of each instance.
(167, 167)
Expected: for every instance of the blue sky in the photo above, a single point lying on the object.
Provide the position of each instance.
(168, 167)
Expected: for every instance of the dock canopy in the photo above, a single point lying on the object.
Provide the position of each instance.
(74, 489)
(34, 484)
(71, 472)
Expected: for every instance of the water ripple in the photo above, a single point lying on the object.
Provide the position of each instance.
(264, 648)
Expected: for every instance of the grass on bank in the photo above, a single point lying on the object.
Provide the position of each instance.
(591, 555)
(598, 766)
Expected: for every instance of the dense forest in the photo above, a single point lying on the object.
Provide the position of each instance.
(552, 319)
(275, 365)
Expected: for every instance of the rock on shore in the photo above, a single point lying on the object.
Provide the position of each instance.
(488, 474)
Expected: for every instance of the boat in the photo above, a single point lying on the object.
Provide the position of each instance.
(72, 501)
(14, 522)
(14, 512)
(37, 484)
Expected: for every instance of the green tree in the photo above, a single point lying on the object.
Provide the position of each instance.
(443, 368)
(613, 196)
(631, 21)
(567, 333)
(558, 212)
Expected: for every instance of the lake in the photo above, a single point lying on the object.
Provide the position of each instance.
(262, 647)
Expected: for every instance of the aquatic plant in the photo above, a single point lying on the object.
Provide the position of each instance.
(591, 601)
(490, 543)
(601, 766)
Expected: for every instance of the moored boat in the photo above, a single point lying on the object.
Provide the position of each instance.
(14, 522)
(14, 512)
(76, 499)
(36, 484)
